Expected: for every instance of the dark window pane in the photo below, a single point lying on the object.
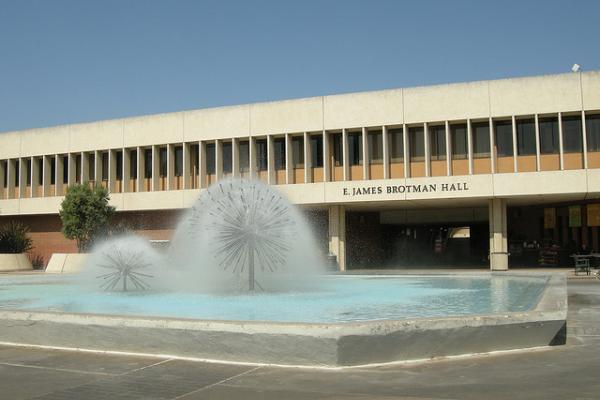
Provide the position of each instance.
(298, 151)
(458, 139)
(481, 139)
(416, 143)
(104, 166)
(549, 143)
(279, 147)
(119, 165)
(592, 128)
(17, 172)
(244, 156)
(526, 137)
(78, 168)
(437, 142)
(261, 155)
(28, 170)
(316, 150)
(40, 167)
(92, 167)
(572, 134)
(396, 145)
(133, 164)
(210, 159)
(355, 148)
(5, 173)
(148, 163)
(65, 165)
(162, 159)
(53, 171)
(179, 161)
(504, 139)
(376, 147)
(226, 151)
(337, 149)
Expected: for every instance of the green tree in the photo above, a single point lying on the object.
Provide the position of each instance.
(85, 213)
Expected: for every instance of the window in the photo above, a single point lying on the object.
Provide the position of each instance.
(437, 142)
(355, 148)
(226, 151)
(92, 167)
(261, 155)
(298, 151)
(592, 128)
(210, 159)
(179, 161)
(549, 143)
(417, 144)
(78, 168)
(396, 144)
(338, 153)
(375, 147)
(481, 139)
(244, 156)
(162, 159)
(572, 135)
(504, 139)
(194, 158)
(40, 167)
(148, 163)
(316, 150)
(119, 156)
(279, 147)
(28, 170)
(5, 173)
(133, 164)
(458, 139)
(104, 166)
(526, 137)
(65, 165)
(17, 170)
(53, 171)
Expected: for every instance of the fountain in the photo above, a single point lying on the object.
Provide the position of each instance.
(242, 282)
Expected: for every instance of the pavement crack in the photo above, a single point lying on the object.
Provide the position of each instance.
(218, 383)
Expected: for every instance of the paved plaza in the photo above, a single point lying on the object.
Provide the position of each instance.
(563, 372)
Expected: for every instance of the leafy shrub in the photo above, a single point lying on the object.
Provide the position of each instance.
(37, 261)
(14, 238)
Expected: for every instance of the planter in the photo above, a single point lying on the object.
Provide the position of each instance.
(15, 262)
(66, 262)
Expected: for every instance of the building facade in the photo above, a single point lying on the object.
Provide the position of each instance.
(480, 173)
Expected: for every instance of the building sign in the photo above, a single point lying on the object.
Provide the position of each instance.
(593, 214)
(549, 218)
(574, 216)
(402, 189)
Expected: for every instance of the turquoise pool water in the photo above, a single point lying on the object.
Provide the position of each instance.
(332, 299)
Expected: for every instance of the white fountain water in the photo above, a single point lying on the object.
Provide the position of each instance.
(239, 236)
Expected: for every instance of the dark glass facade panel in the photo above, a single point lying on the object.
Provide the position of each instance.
(458, 139)
(91, 167)
(133, 164)
(148, 163)
(65, 166)
(279, 148)
(227, 154)
(179, 161)
(261, 155)
(5, 173)
(53, 171)
(572, 134)
(526, 137)
(376, 147)
(396, 145)
(437, 142)
(17, 172)
(28, 172)
(40, 167)
(210, 159)
(355, 148)
(244, 156)
(592, 129)
(337, 149)
(316, 151)
(119, 165)
(78, 168)
(162, 160)
(298, 151)
(481, 139)
(549, 142)
(504, 138)
(416, 143)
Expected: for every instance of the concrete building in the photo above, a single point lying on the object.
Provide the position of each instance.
(453, 174)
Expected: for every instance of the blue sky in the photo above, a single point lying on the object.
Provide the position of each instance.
(73, 61)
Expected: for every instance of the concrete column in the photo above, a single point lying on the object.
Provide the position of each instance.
(58, 179)
(448, 150)
(427, 150)
(498, 239)
(235, 157)
(270, 160)
(406, 144)
(155, 168)
(97, 168)
(85, 168)
(2, 181)
(187, 167)
(560, 142)
(170, 167)
(326, 158)
(345, 155)
(141, 168)
(22, 176)
(307, 158)
(47, 160)
(365, 153)
(337, 234)
(492, 145)
(126, 168)
(537, 143)
(35, 175)
(514, 137)
(10, 179)
(470, 146)
(252, 157)
(584, 140)
(72, 168)
(289, 166)
(386, 153)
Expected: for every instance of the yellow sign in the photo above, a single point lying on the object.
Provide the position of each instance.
(574, 216)
(549, 218)
(593, 214)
